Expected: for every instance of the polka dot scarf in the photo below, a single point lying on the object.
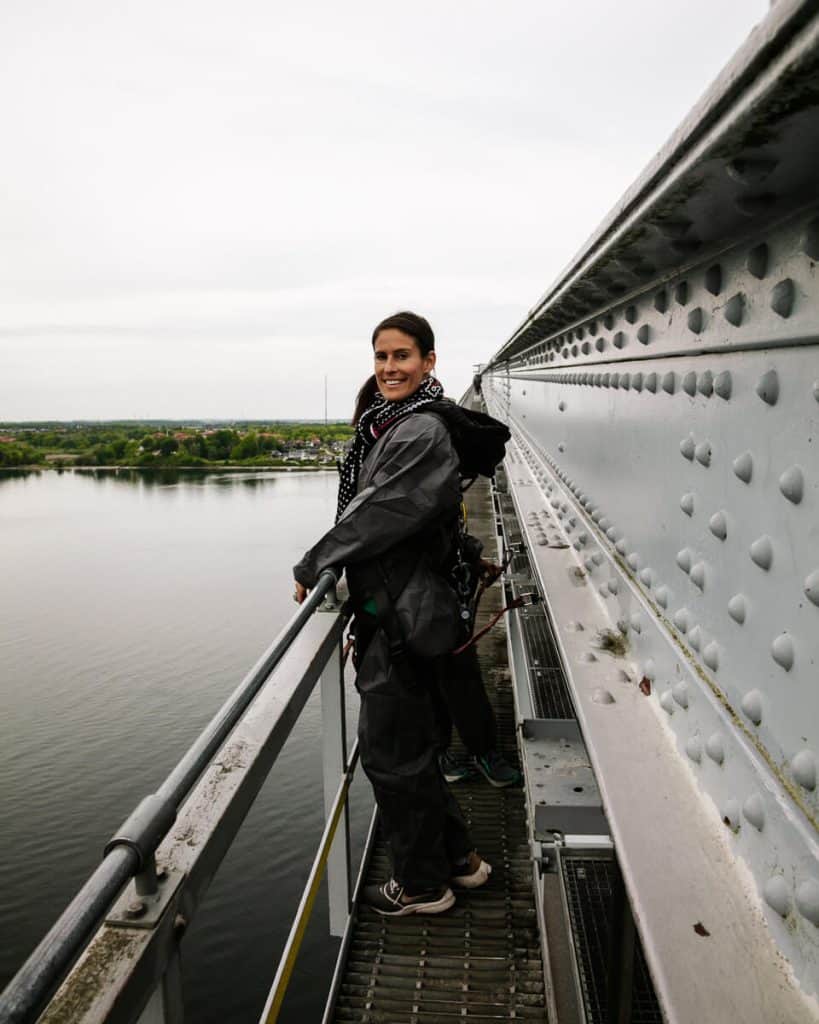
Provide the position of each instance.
(376, 418)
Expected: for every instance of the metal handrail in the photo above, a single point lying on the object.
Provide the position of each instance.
(130, 852)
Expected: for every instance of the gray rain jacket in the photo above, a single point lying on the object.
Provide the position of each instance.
(399, 525)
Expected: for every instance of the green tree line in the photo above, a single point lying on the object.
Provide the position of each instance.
(135, 444)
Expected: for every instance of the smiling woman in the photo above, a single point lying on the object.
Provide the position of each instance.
(399, 498)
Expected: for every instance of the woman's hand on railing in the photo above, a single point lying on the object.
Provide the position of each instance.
(300, 593)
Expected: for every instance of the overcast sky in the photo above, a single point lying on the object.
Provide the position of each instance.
(206, 207)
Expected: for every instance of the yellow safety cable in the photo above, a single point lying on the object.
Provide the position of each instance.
(273, 1006)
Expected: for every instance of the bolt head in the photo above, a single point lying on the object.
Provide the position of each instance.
(136, 908)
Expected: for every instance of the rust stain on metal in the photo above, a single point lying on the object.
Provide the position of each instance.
(92, 976)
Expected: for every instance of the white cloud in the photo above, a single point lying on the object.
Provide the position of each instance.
(254, 181)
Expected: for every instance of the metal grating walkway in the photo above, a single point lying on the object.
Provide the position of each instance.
(480, 961)
(589, 885)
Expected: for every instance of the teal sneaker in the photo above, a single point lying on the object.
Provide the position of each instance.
(496, 770)
(452, 769)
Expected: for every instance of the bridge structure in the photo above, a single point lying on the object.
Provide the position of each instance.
(661, 496)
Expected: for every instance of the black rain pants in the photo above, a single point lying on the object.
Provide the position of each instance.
(399, 741)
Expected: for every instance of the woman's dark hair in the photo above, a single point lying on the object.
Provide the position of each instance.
(369, 389)
(417, 328)
(413, 325)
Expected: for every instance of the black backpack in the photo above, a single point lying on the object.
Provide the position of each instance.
(479, 439)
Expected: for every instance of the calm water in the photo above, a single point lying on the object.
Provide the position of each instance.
(131, 604)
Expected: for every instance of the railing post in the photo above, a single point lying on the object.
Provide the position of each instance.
(334, 760)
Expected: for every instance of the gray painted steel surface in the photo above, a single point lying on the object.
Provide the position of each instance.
(664, 397)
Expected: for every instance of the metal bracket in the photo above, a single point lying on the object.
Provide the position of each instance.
(135, 910)
(334, 599)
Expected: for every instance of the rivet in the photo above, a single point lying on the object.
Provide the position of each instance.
(750, 170)
(803, 766)
(681, 293)
(715, 748)
(768, 387)
(644, 334)
(775, 891)
(625, 381)
(636, 622)
(734, 309)
(791, 483)
(603, 591)
(689, 383)
(631, 314)
(754, 811)
(637, 383)
(588, 657)
(613, 586)
(651, 382)
(589, 564)
(602, 696)
(687, 504)
(705, 383)
(737, 608)
(702, 453)
(603, 523)
(600, 344)
(575, 626)
(606, 379)
(752, 706)
(696, 320)
(713, 279)
(597, 558)
(646, 576)
(693, 748)
(681, 619)
(680, 694)
(782, 651)
(688, 447)
(758, 261)
(762, 552)
(667, 702)
(697, 575)
(711, 656)
(561, 406)
(807, 900)
(810, 241)
(718, 525)
(695, 638)
(620, 546)
(615, 380)
(670, 382)
(661, 596)
(650, 671)
(744, 467)
(661, 301)
(619, 340)
(722, 385)
(782, 298)
(684, 559)
(812, 587)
